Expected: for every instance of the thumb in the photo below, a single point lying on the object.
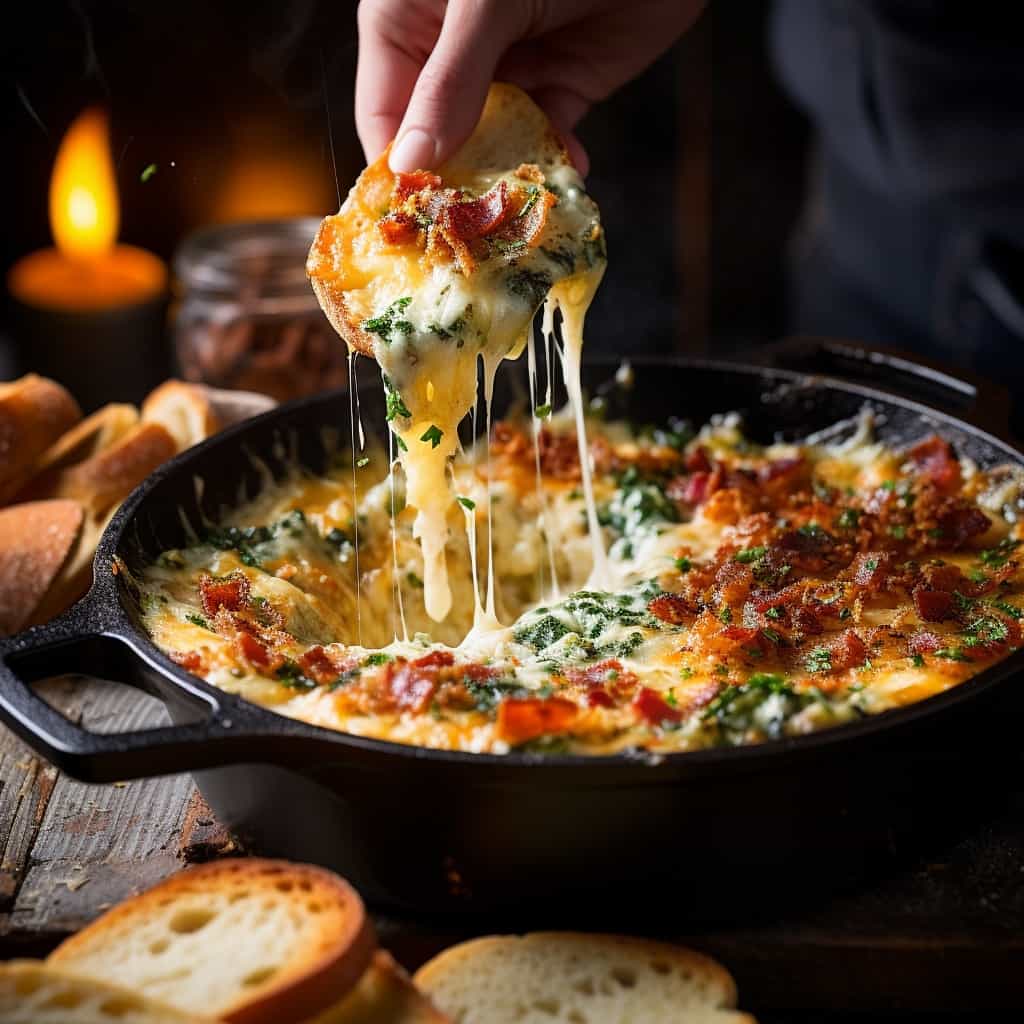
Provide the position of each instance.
(451, 89)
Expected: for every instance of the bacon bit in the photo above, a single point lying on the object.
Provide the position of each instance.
(694, 489)
(608, 671)
(520, 720)
(778, 468)
(408, 183)
(257, 653)
(805, 620)
(808, 551)
(653, 708)
(697, 461)
(230, 592)
(477, 672)
(323, 668)
(729, 505)
(870, 569)
(924, 643)
(598, 698)
(847, 650)
(935, 459)
(190, 661)
(559, 455)
(409, 688)
(733, 583)
(933, 605)
(671, 608)
(435, 659)
(398, 229)
(958, 525)
(507, 440)
(525, 228)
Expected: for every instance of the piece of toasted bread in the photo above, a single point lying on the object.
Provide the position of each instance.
(103, 428)
(385, 995)
(36, 993)
(75, 575)
(251, 941)
(350, 269)
(35, 541)
(554, 977)
(193, 412)
(107, 477)
(34, 412)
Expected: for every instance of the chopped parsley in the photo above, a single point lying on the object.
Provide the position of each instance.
(290, 675)
(364, 461)
(775, 612)
(378, 658)
(531, 285)
(819, 660)
(542, 412)
(998, 556)
(147, 172)
(197, 620)
(748, 555)
(467, 503)
(433, 434)
(683, 564)
(725, 613)
(951, 654)
(848, 519)
(917, 661)
(384, 324)
(394, 405)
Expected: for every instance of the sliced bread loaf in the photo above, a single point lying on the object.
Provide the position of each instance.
(556, 977)
(36, 993)
(251, 941)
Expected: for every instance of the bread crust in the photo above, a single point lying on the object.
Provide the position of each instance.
(36, 539)
(462, 957)
(293, 993)
(34, 412)
(512, 130)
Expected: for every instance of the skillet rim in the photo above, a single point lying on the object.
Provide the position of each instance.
(107, 593)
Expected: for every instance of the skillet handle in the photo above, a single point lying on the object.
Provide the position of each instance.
(223, 729)
(964, 394)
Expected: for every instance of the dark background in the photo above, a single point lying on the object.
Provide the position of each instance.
(698, 166)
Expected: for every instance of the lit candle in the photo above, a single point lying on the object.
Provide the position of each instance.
(90, 305)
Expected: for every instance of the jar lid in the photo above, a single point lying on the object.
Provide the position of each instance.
(225, 257)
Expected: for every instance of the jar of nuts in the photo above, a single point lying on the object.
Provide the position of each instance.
(246, 316)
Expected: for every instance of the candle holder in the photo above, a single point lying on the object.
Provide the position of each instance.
(246, 316)
(117, 354)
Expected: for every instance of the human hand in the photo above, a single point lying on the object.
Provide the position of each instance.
(425, 65)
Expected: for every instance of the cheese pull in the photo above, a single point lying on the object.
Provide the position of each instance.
(431, 271)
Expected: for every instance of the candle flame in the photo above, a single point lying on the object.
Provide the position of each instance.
(84, 212)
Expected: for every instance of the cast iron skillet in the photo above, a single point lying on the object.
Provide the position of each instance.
(712, 832)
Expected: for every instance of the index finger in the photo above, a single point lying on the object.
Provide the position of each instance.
(385, 77)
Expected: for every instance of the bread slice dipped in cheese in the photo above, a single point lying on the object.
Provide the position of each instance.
(432, 271)
(569, 977)
(251, 941)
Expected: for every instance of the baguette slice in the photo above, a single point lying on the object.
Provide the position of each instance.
(193, 412)
(34, 412)
(554, 977)
(384, 995)
(251, 941)
(35, 541)
(35, 993)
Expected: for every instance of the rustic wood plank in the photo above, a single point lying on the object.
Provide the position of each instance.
(92, 846)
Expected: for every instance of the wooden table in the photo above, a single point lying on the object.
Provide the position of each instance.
(941, 932)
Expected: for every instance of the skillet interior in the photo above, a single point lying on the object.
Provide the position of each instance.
(200, 486)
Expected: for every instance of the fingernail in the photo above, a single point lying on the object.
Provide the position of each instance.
(413, 151)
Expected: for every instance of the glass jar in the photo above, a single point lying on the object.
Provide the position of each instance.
(246, 316)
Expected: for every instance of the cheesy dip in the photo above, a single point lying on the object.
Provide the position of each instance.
(750, 592)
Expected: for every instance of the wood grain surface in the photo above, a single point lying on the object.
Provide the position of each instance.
(944, 931)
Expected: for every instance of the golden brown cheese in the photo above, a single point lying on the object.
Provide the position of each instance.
(752, 593)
